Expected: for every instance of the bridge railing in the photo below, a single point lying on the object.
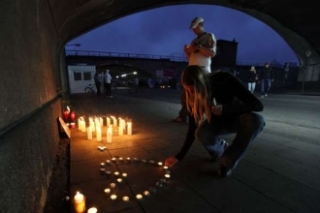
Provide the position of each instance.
(123, 55)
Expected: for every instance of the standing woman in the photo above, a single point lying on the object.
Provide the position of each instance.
(219, 104)
(252, 78)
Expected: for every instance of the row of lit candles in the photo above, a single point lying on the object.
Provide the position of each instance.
(99, 121)
(95, 125)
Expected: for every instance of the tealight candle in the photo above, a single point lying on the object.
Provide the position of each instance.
(165, 167)
(108, 172)
(102, 164)
(113, 197)
(102, 169)
(114, 159)
(107, 190)
(146, 193)
(128, 159)
(79, 202)
(167, 172)
(120, 159)
(92, 210)
(167, 176)
(116, 173)
(112, 185)
(125, 199)
(119, 180)
(124, 174)
(160, 163)
(139, 196)
(108, 161)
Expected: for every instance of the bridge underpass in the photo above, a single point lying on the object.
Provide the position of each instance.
(33, 34)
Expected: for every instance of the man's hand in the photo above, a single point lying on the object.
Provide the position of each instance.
(194, 48)
(171, 161)
(186, 49)
(216, 109)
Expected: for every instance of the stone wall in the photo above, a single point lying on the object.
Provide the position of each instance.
(29, 76)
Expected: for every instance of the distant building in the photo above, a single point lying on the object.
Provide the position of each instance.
(226, 56)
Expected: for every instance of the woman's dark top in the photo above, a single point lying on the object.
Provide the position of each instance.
(235, 99)
(252, 77)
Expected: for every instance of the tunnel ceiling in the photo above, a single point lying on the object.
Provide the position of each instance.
(300, 17)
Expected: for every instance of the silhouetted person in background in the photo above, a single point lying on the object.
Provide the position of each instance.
(97, 83)
(252, 77)
(266, 76)
(107, 84)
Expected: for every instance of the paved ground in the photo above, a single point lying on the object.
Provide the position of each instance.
(280, 172)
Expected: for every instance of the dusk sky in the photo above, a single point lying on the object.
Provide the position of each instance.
(164, 31)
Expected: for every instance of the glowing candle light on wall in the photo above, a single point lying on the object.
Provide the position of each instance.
(89, 132)
(129, 128)
(109, 134)
(79, 202)
(98, 134)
